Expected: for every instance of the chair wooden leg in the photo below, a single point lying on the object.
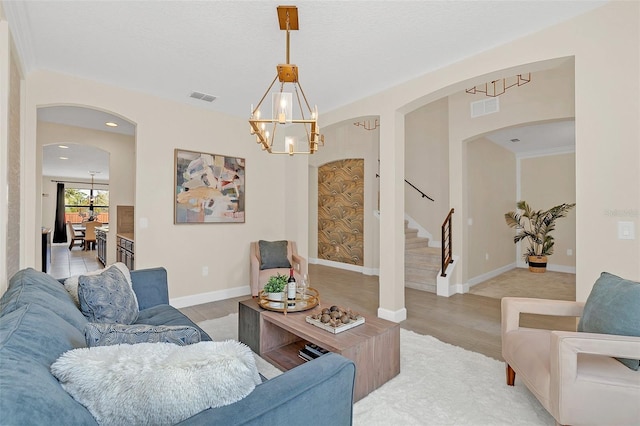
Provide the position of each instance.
(511, 375)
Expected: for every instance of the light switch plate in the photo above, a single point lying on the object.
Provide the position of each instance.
(626, 231)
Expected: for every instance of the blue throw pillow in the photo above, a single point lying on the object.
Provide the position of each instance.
(273, 254)
(107, 297)
(97, 334)
(613, 307)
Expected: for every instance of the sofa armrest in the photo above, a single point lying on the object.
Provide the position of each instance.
(512, 307)
(325, 384)
(151, 287)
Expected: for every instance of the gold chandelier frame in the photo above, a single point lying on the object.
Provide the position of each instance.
(282, 103)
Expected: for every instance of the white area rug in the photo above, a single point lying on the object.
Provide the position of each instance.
(438, 384)
(225, 328)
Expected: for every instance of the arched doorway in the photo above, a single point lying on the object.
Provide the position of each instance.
(94, 143)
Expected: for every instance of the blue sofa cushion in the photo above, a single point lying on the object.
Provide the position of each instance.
(31, 286)
(107, 297)
(31, 339)
(273, 254)
(145, 285)
(168, 315)
(613, 307)
(97, 334)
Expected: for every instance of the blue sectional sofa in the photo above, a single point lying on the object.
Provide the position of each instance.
(39, 321)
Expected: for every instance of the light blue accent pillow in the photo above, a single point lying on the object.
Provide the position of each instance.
(273, 254)
(107, 297)
(97, 334)
(613, 307)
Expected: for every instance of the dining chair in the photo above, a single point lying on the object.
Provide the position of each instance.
(90, 234)
(74, 236)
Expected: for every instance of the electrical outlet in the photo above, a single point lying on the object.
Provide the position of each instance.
(486, 256)
(205, 271)
(569, 252)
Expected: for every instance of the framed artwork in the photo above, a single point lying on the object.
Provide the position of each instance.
(209, 188)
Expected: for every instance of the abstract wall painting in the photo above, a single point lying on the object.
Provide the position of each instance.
(209, 188)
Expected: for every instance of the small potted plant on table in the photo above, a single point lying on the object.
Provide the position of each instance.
(536, 227)
(274, 288)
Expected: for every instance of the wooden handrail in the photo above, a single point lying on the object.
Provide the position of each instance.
(414, 187)
(447, 247)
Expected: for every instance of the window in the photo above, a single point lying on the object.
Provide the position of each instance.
(79, 205)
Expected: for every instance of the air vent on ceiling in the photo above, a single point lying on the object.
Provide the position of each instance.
(202, 96)
(485, 106)
(514, 140)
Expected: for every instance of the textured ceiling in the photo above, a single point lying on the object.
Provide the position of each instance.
(345, 50)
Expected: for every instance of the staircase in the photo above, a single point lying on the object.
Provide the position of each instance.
(421, 262)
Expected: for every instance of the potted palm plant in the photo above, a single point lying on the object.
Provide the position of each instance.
(536, 227)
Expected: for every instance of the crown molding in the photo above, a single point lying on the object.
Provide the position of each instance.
(18, 19)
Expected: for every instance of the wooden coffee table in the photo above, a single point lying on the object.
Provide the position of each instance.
(373, 346)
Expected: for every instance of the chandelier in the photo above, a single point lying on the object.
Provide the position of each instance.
(293, 128)
(498, 87)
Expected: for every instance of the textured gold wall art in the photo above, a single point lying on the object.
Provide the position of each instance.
(341, 211)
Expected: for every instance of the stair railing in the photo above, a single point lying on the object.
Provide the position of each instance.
(414, 187)
(447, 248)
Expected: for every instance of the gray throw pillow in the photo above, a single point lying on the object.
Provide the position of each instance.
(102, 334)
(107, 297)
(273, 254)
(613, 307)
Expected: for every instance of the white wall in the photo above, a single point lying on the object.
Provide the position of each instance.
(122, 169)
(547, 181)
(607, 174)
(427, 165)
(491, 182)
(344, 140)
(163, 126)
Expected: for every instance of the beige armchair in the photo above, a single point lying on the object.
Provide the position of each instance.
(259, 277)
(572, 374)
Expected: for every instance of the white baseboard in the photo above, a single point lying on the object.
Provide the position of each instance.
(488, 275)
(212, 296)
(345, 266)
(394, 316)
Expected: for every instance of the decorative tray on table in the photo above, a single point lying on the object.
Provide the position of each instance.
(275, 302)
(336, 319)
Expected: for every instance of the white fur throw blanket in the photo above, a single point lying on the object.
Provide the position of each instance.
(156, 383)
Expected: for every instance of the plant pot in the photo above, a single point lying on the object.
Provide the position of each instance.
(538, 264)
(276, 296)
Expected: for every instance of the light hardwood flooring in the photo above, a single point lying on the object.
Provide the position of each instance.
(469, 320)
(466, 320)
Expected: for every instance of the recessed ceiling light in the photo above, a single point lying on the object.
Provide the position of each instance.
(63, 158)
(63, 146)
(111, 124)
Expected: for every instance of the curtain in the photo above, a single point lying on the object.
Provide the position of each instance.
(60, 228)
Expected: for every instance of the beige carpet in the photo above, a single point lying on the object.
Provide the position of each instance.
(519, 282)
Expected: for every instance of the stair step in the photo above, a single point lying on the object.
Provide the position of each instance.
(422, 263)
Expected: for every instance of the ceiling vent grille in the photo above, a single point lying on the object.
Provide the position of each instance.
(485, 107)
(202, 96)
